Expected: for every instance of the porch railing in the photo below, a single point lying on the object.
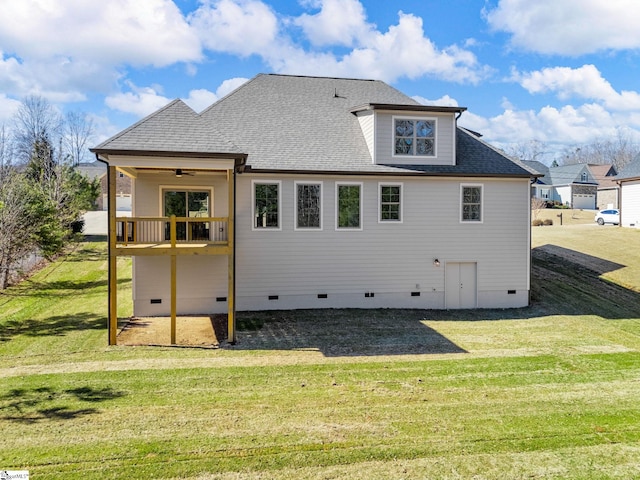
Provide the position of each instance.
(171, 230)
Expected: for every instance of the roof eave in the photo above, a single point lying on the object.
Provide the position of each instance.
(405, 173)
(406, 108)
(168, 153)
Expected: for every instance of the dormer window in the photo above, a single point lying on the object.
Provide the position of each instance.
(584, 177)
(414, 136)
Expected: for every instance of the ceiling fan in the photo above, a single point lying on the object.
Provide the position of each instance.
(180, 173)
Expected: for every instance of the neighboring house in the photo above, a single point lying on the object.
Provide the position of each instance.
(629, 181)
(570, 185)
(305, 192)
(123, 185)
(608, 189)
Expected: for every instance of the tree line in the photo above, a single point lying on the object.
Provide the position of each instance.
(617, 150)
(42, 193)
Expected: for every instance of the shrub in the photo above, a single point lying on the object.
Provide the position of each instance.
(547, 221)
(537, 222)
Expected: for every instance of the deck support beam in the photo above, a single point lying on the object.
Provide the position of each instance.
(174, 262)
(231, 295)
(113, 258)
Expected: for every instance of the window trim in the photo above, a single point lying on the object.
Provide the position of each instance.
(253, 205)
(337, 206)
(462, 187)
(295, 206)
(401, 212)
(412, 117)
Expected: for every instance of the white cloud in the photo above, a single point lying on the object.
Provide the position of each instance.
(8, 108)
(150, 32)
(585, 82)
(140, 101)
(339, 22)
(250, 27)
(556, 127)
(64, 49)
(402, 51)
(200, 99)
(230, 85)
(57, 79)
(242, 27)
(568, 27)
(444, 101)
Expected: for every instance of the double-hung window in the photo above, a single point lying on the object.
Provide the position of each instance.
(471, 202)
(349, 206)
(308, 206)
(414, 137)
(266, 205)
(390, 202)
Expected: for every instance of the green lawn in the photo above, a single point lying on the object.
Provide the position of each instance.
(547, 392)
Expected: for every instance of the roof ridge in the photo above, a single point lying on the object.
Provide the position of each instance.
(321, 77)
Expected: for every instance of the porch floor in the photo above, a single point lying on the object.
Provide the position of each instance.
(191, 331)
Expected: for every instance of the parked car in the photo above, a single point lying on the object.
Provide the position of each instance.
(611, 215)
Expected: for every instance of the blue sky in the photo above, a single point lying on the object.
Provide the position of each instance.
(562, 72)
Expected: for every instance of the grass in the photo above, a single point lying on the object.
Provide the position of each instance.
(550, 391)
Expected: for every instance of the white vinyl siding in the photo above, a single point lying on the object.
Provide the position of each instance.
(630, 205)
(386, 260)
(367, 124)
(563, 194)
(390, 262)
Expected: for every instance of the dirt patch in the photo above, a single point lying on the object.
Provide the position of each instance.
(192, 331)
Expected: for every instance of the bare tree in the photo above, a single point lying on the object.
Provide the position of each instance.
(5, 153)
(533, 150)
(78, 132)
(618, 150)
(35, 121)
(537, 205)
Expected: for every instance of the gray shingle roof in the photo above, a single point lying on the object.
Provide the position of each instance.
(174, 128)
(475, 157)
(301, 123)
(541, 168)
(293, 123)
(630, 171)
(566, 174)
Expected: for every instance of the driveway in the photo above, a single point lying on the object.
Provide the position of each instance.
(95, 223)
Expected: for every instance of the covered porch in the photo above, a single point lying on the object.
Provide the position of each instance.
(169, 236)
